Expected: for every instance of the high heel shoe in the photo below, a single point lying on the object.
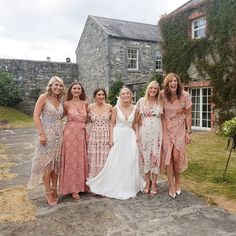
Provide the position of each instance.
(153, 192)
(147, 189)
(172, 195)
(178, 192)
(50, 199)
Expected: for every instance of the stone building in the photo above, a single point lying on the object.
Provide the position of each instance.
(111, 49)
(195, 26)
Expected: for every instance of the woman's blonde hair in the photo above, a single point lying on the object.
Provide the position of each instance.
(49, 87)
(166, 82)
(158, 97)
(129, 91)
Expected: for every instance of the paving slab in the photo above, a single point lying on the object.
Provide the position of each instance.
(95, 215)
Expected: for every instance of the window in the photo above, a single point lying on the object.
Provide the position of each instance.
(201, 108)
(158, 61)
(199, 28)
(132, 58)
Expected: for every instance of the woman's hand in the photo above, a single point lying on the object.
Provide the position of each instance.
(42, 139)
(188, 138)
(111, 143)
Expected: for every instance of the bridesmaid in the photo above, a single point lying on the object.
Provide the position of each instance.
(150, 135)
(98, 143)
(73, 172)
(177, 121)
(48, 115)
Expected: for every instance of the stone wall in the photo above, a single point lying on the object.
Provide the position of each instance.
(33, 76)
(92, 57)
(118, 60)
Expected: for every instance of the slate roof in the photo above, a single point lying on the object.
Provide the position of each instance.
(129, 30)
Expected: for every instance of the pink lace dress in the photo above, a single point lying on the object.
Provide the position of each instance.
(98, 143)
(150, 137)
(174, 129)
(47, 158)
(73, 171)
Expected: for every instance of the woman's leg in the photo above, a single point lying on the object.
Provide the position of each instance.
(154, 184)
(147, 187)
(49, 195)
(176, 160)
(170, 176)
(54, 177)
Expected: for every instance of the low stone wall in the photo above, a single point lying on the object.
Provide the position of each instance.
(32, 77)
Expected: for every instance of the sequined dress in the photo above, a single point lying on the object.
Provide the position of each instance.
(47, 158)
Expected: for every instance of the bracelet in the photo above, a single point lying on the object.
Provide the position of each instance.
(41, 133)
(189, 131)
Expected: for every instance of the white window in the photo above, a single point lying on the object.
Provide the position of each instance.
(158, 61)
(201, 108)
(199, 28)
(132, 58)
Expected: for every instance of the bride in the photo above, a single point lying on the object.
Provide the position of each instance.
(120, 176)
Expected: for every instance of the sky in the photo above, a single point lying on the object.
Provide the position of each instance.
(37, 29)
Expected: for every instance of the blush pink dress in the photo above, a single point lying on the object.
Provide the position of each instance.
(174, 129)
(74, 169)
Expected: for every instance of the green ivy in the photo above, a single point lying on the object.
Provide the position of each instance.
(220, 44)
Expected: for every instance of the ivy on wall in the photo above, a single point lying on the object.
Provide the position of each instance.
(214, 56)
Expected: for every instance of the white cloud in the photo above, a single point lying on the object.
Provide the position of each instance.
(40, 28)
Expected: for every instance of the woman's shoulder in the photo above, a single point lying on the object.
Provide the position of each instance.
(185, 95)
(43, 97)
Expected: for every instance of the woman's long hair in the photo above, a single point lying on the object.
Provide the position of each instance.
(166, 82)
(69, 95)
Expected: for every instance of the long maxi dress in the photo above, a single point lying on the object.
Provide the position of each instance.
(150, 137)
(174, 129)
(120, 177)
(74, 169)
(98, 143)
(47, 158)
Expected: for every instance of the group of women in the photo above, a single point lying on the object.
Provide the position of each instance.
(126, 143)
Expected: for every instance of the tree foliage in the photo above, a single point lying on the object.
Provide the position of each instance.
(9, 91)
(114, 91)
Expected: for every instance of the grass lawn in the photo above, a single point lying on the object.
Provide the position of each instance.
(207, 159)
(15, 118)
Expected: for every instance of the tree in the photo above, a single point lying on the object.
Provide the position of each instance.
(10, 93)
(156, 76)
(114, 91)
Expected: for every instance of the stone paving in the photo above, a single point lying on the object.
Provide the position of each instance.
(94, 215)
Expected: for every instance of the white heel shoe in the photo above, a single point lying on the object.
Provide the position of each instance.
(173, 196)
(178, 192)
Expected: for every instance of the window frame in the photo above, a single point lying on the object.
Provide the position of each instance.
(158, 61)
(129, 59)
(199, 28)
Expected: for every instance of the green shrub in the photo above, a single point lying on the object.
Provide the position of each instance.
(228, 129)
(10, 93)
(114, 91)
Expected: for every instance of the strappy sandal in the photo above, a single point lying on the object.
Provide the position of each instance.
(50, 199)
(76, 196)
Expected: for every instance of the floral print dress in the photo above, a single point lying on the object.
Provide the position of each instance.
(150, 137)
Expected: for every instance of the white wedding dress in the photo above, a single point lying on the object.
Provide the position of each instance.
(120, 177)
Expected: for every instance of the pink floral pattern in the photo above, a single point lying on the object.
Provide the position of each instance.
(150, 137)
(98, 143)
(174, 129)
